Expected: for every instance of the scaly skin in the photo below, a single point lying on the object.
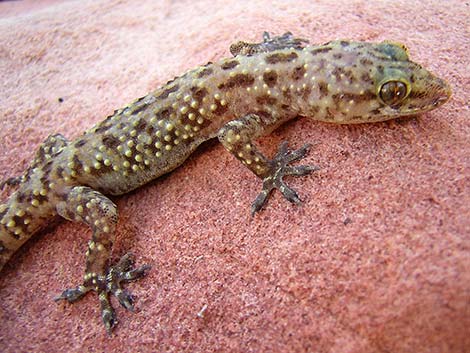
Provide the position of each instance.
(237, 100)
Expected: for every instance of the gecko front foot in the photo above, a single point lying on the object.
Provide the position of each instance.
(279, 168)
(286, 41)
(106, 285)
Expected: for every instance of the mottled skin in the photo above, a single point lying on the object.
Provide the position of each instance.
(237, 100)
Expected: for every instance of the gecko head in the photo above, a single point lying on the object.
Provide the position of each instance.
(403, 87)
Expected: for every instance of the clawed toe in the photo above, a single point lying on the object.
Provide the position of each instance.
(73, 294)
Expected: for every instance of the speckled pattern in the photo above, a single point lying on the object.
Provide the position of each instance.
(236, 99)
(372, 261)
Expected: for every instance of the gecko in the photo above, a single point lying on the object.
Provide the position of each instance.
(237, 99)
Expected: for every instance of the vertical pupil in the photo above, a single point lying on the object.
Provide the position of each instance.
(392, 92)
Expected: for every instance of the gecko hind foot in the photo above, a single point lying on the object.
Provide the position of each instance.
(106, 285)
(286, 41)
(279, 168)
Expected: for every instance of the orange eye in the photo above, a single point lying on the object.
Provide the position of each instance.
(392, 92)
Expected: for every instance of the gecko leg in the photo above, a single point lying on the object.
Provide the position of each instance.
(49, 148)
(286, 41)
(237, 136)
(89, 206)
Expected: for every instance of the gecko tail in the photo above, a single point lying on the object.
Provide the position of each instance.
(19, 220)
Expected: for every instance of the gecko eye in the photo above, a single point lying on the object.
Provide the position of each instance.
(393, 92)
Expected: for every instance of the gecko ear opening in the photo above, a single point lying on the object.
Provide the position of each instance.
(393, 92)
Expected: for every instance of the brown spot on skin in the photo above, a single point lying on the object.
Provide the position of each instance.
(78, 165)
(204, 72)
(47, 168)
(266, 100)
(270, 78)
(21, 197)
(305, 92)
(136, 109)
(45, 182)
(287, 95)
(221, 109)
(337, 73)
(167, 92)
(230, 65)
(315, 109)
(62, 196)
(2, 247)
(285, 106)
(40, 156)
(366, 78)
(337, 99)
(68, 214)
(329, 114)
(323, 89)
(164, 113)
(321, 65)
(376, 112)
(380, 69)
(320, 50)
(344, 44)
(239, 80)
(19, 221)
(102, 128)
(98, 172)
(198, 93)
(281, 58)
(109, 141)
(2, 214)
(41, 198)
(349, 75)
(80, 143)
(298, 73)
(59, 172)
(141, 125)
(337, 56)
(366, 62)
(150, 130)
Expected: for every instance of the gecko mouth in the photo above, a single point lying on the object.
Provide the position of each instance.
(440, 100)
(443, 95)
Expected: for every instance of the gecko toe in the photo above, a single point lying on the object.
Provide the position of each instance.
(260, 200)
(72, 294)
(289, 193)
(107, 313)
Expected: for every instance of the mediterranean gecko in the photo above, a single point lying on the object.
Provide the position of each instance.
(236, 100)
